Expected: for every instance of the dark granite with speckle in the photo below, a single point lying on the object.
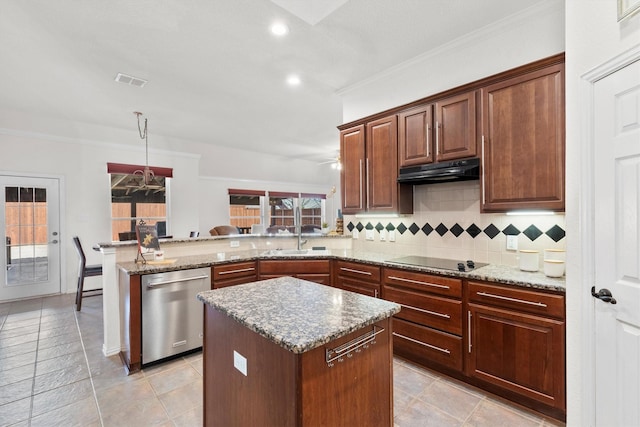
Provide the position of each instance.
(296, 314)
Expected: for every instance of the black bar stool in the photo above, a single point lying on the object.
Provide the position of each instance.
(85, 270)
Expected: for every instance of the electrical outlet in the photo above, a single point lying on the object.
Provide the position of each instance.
(355, 233)
(392, 235)
(368, 234)
(383, 235)
(240, 362)
(234, 243)
(512, 243)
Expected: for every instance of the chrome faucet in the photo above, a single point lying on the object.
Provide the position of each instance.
(298, 221)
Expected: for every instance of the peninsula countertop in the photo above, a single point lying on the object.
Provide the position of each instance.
(296, 314)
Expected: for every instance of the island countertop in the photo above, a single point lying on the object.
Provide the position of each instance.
(296, 314)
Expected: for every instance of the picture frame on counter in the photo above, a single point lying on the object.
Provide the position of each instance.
(627, 8)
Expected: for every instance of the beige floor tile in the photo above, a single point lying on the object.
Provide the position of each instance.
(401, 400)
(18, 360)
(65, 361)
(18, 339)
(421, 414)
(197, 365)
(79, 413)
(16, 391)
(164, 366)
(452, 400)
(58, 340)
(166, 381)
(17, 374)
(60, 378)
(14, 412)
(410, 381)
(59, 350)
(110, 399)
(183, 398)
(62, 396)
(18, 349)
(491, 414)
(8, 333)
(192, 417)
(136, 413)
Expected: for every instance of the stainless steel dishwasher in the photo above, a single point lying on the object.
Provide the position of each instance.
(172, 317)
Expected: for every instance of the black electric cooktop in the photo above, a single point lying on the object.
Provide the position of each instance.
(444, 264)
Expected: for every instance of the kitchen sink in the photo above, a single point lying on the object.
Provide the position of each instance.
(296, 252)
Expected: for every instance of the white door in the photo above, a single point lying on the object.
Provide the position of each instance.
(29, 222)
(617, 247)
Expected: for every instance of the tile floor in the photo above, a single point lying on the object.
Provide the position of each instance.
(53, 373)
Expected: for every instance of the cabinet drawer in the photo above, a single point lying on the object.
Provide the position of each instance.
(290, 267)
(423, 282)
(358, 271)
(424, 344)
(359, 286)
(234, 271)
(429, 310)
(529, 301)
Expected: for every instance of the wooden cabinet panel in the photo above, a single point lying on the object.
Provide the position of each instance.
(356, 277)
(422, 282)
(234, 274)
(440, 313)
(518, 352)
(523, 142)
(358, 271)
(352, 178)
(427, 346)
(528, 301)
(415, 138)
(456, 130)
(288, 267)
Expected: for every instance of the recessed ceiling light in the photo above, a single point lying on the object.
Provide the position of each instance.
(130, 80)
(293, 80)
(279, 29)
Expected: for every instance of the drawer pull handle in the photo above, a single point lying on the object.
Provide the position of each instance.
(350, 270)
(240, 270)
(422, 310)
(417, 282)
(356, 344)
(469, 329)
(433, 347)
(521, 301)
(183, 279)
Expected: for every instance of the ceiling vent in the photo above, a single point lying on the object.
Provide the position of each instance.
(130, 80)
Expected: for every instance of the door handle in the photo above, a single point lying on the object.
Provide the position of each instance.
(603, 294)
(54, 241)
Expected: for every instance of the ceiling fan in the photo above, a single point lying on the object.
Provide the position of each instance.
(334, 162)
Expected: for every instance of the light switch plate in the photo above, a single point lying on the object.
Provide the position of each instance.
(240, 362)
(512, 243)
(355, 233)
(234, 243)
(392, 235)
(383, 235)
(368, 234)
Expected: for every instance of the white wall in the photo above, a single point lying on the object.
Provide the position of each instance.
(534, 34)
(593, 36)
(196, 201)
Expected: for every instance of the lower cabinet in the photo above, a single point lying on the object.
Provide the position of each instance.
(357, 277)
(313, 270)
(232, 274)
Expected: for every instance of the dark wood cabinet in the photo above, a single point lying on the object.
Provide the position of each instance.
(516, 345)
(523, 142)
(357, 277)
(369, 156)
(415, 136)
(313, 270)
(428, 330)
(455, 128)
(233, 274)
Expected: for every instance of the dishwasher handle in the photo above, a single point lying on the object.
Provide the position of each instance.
(168, 282)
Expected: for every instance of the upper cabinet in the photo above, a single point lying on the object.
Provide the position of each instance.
(523, 146)
(454, 135)
(370, 169)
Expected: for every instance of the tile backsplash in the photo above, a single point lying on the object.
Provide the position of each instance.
(447, 223)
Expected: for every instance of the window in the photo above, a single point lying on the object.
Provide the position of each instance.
(281, 212)
(312, 207)
(245, 208)
(131, 201)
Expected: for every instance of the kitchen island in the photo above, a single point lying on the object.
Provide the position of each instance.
(287, 352)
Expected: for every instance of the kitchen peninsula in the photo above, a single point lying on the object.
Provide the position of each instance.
(289, 352)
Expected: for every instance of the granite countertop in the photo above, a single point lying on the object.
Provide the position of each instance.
(296, 314)
(503, 274)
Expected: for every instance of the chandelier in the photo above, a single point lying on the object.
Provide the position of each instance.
(145, 178)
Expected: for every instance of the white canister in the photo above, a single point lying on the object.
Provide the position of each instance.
(529, 260)
(555, 254)
(553, 268)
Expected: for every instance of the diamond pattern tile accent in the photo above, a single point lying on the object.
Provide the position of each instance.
(491, 231)
(413, 228)
(532, 232)
(379, 227)
(350, 226)
(441, 229)
(473, 230)
(427, 229)
(511, 230)
(359, 227)
(402, 228)
(390, 227)
(556, 233)
(457, 230)
(369, 226)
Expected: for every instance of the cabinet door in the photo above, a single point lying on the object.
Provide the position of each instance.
(523, 142)
(456, 131)
(382, 165)
(415, 128)
(352, 176)
(518, 352)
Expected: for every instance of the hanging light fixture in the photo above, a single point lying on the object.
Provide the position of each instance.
(147, 179)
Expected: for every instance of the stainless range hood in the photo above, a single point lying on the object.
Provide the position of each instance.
(434, 173)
